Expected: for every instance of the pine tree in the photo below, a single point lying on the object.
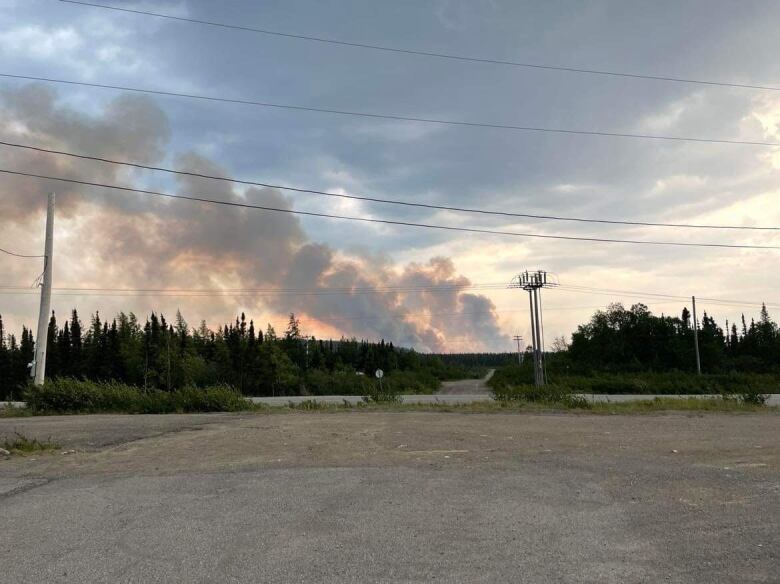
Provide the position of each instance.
(64, 346)
(5, 365)
(76, 345)
(686, 318)
(182, 329)
(52, 349)
(293, 331)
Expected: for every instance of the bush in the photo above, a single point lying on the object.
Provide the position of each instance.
(347, 382)
(667, 383)
(385, 395)
(754, 398)
(71, 396)
(553, 394)
(420, 381)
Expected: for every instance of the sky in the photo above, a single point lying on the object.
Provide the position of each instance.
(434, 290)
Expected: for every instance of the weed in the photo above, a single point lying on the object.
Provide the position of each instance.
(310, 404)
(21, 444)
(12, 411)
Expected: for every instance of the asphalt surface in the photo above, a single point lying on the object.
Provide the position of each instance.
(394, 497)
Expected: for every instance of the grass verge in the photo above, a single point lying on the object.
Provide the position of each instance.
(645, 406)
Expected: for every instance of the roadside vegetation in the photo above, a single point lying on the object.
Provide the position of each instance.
(74, 396)
(632, 351)
(21, 444)
(160, 355)
(159, 367)
(66, 396)
(509, 382)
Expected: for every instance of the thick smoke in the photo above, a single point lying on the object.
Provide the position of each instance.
(126, 240)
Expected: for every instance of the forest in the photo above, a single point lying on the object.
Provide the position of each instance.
(158, 354)
(632, 351)
(633, 339)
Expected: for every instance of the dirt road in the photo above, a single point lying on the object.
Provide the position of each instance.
(467, 386)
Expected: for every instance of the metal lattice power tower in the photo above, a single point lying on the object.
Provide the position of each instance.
(519, 340)
(533, 282)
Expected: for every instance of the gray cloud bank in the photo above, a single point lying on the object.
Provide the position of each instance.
(127, 240)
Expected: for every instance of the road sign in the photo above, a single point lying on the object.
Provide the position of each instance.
(379, 374)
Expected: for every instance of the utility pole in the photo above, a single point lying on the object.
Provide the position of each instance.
(696, 336)
(38, 369)
(519, 340)
(539, 345)
(533, 282)
(537, 381)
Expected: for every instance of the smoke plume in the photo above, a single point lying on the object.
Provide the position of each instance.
(124, 240)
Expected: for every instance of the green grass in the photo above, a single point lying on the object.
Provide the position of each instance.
(20, 444)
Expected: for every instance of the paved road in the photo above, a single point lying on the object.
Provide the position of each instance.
(389, 497)
(467, 386)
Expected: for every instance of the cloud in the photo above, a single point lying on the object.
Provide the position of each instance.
(40, 43)
(125, 240)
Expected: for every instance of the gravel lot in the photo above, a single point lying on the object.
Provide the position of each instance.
(388, 497)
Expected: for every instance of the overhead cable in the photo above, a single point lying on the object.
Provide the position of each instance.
(394, 222)
(388, 116)
(382, 200)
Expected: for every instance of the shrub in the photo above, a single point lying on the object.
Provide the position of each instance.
(71, 395)
(308, 404)
(754, 398)
(386, 393)
(553, 394)
(347, 382)
(667, 383)
(420, 381)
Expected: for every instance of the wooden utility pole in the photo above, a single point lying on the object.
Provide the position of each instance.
(696, 336)
(38, 369)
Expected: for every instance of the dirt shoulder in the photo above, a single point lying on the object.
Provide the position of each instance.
(213, 442)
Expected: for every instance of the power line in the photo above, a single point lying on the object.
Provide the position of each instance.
(416, 52)
(19, 255)
(380, 200)
(393, 222)
(349, 290)
(642, 294)
(394, 117)
(267, 292)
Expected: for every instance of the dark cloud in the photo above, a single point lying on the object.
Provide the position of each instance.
(131, 127)
(152, 243)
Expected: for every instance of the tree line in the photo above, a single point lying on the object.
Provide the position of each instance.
(634, 339)
(171, 355)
